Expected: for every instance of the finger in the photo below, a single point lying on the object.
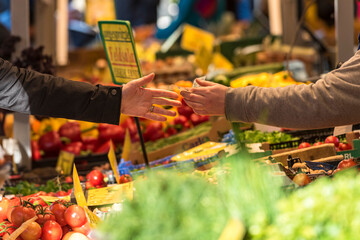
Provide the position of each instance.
(162, 93)
(155, 117)
(204, 83)
(195, 105)
(166, 102)
(162, 111)
(144, 80)
(195, 98)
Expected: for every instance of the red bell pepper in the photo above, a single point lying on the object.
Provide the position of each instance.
(181, 123)
(90, 144)
(104, 148)
(35, 151)
(130, 124)
(114, 132)
(71, 130)
(153, 131)
(50, 143)
(74, 147)
(197, 119)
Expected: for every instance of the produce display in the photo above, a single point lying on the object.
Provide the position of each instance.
(31, 218)
(205, 190)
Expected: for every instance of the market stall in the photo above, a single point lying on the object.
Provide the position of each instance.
(193, 176)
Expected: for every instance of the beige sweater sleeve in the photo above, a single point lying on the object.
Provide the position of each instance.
(331, 101)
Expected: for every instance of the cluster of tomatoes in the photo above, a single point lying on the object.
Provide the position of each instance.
(339, 146)
(60, 220)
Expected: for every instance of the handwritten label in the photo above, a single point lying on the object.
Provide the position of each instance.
(120, 50)
(113, 163)
(65, 162)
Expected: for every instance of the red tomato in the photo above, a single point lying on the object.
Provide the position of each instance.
(38, 201)
(51, 231)
(12, 204)
(32, 232)
(58, 210)
(75, 236)
(68, 179)
(318, 143)
(332, 139)
(304, 145)
(5, 226)
(61, 193)
(8, 233)
(344, 146)
(75, 216)
(84, 229)
(125, 178)
(346, 163)
(4, 206)
(301, 179)
(65, 230)
(46, 216)
(21, 214)
(88, 185)
(95, 177)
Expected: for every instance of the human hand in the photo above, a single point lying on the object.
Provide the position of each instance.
(209, 99)
(138, 101)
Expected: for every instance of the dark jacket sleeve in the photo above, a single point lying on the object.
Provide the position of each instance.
(30, 92)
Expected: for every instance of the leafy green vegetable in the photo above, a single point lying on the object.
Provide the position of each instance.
(25, 188)
(256, 136)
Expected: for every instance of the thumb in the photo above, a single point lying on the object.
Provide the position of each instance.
(204, 83)
(144, 80)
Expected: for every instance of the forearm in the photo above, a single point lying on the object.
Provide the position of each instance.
(41, 94)
(329, 102)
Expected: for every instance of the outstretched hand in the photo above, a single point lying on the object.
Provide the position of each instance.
(138, 101)
(208, 99)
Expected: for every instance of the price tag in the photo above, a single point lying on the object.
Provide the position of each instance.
(81, 200)
(127, 146)
(110, 195)
(193, 39)
(113, 163)
(54, 199)
(78, 192)
(65, 162)
(342, 130)
(234, 230)
(120, 50)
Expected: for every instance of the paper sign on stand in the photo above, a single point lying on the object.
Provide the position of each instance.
(65, 162)
(113, 163)
(119, 45)
(120, 51)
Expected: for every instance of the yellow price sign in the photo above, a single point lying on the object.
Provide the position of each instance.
(65, 162)
(120, 50)
(78, 191)
(113, 163)
(81, 200)
(193, 39)
(110, 195)
(127, 146)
